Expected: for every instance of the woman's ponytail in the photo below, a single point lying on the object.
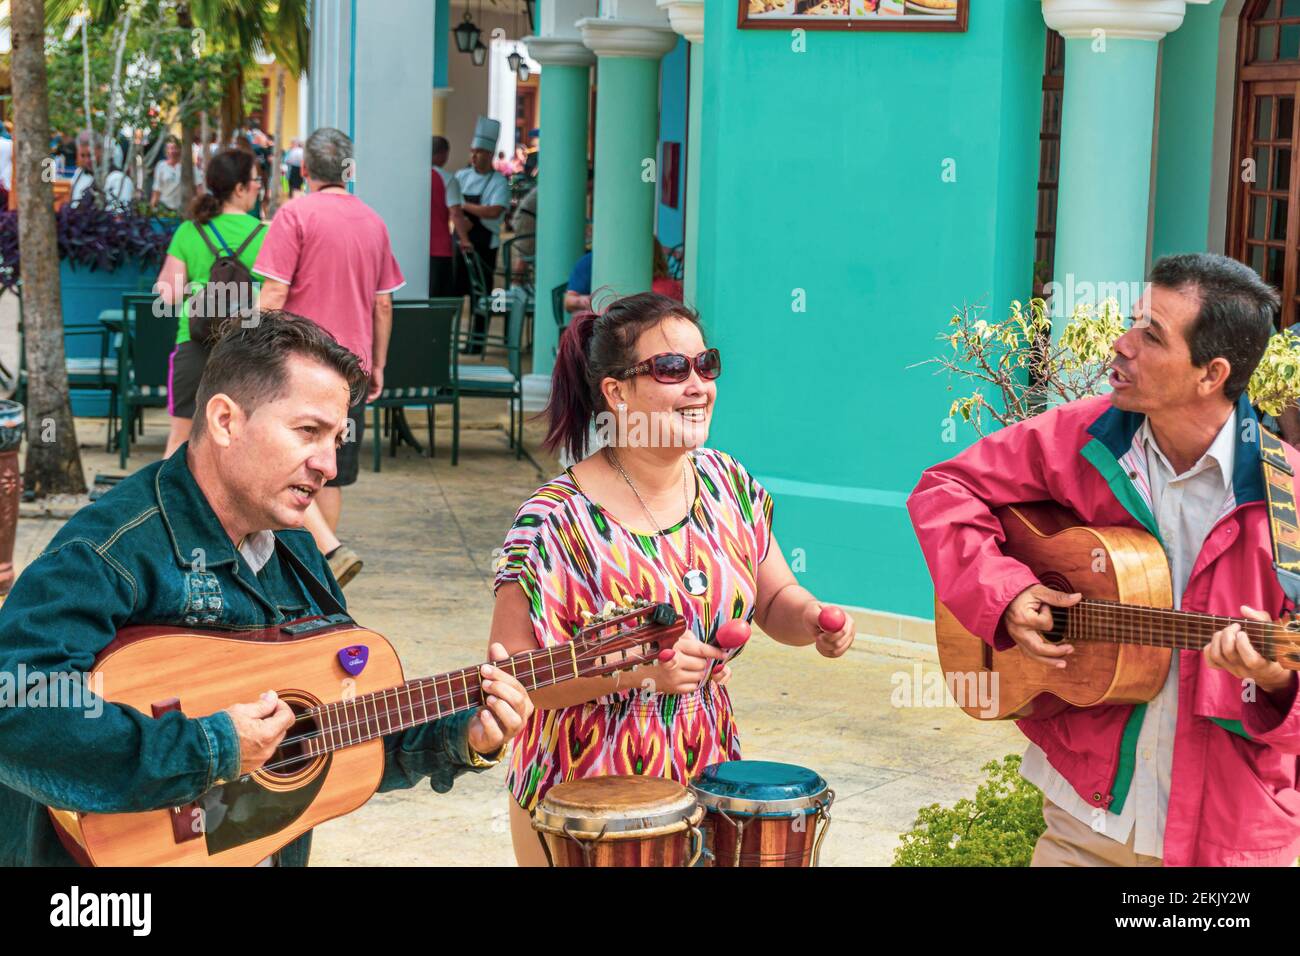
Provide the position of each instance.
(204, 208)
(570, 407)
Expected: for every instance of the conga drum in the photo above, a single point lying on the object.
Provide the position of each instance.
(620, 821)
(759, 813)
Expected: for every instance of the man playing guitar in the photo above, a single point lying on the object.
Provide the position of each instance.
(191, 541)
(1206, 772)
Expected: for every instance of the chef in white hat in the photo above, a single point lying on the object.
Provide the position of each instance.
(486, 201)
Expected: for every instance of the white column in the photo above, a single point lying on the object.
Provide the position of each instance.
(1116, 19)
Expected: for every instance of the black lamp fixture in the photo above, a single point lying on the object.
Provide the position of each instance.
(479, 53)
(467, 34)
(514, 59)
(524, 72)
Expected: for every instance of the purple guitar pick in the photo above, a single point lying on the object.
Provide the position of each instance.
(354, 658)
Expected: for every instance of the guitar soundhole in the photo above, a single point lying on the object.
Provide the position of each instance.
(1057, 582)
(294, 760)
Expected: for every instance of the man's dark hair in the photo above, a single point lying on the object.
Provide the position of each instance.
(441, 145)
(250, 363)
(1237, 314)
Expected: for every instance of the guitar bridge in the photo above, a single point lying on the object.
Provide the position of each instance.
(183, 817)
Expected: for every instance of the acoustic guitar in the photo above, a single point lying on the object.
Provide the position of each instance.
(1123, 630)
(345, 686)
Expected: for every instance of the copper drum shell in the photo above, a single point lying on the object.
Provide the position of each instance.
(620, 821)
(743, 833)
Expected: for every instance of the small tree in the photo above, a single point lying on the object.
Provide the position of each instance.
(136, 66)
(1027, 372)
(997, 828)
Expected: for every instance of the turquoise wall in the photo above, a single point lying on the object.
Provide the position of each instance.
(822, 171)
(669, 227)
(1185, 141)
(444, 44)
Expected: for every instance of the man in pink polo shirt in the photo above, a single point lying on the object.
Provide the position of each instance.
(327, 257)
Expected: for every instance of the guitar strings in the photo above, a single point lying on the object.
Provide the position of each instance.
(365, 723)
(1113, 611)
(439, 698)
(1113, 615)
(556, 667)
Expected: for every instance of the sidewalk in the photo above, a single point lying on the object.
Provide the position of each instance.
(427, 532)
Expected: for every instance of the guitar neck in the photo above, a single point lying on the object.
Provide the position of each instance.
(1115, 623)
(367, 717)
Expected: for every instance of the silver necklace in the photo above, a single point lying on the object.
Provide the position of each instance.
(694, 580)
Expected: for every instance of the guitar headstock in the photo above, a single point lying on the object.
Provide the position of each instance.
(624, 636)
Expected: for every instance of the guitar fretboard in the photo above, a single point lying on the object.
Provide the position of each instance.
(367, 717)
(1111, 622)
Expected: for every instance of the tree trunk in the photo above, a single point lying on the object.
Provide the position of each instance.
(273, 196)
(186, 21)
(204, 151)
(232, 103)
(53, 457)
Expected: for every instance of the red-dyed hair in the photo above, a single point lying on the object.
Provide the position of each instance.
(593, 348)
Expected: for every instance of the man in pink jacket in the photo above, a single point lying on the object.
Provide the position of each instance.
(1206, 772)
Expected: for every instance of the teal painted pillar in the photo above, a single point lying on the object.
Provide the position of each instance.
(694, 132)
(1107, 119)
(627, 140)
(562, 179)
(687, 19)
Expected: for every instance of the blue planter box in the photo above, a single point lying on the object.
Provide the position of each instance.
(85, 294)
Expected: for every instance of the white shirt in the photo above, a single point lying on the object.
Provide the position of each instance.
(1186, 508)
(492, 189)
(167, 182)
(118, 188)
(257, 549)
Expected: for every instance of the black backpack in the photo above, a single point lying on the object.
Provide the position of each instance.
(228, 293)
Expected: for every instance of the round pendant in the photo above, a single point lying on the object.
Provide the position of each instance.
(695, 581)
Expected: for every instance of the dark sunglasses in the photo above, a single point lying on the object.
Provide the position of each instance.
(672, 368)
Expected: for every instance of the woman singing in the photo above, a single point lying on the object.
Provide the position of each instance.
(652, 514)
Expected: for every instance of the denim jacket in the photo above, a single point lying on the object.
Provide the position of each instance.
(151, 551)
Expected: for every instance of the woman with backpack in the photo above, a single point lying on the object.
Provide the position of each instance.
(218, 243)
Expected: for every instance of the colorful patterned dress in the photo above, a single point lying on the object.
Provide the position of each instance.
(569, 556)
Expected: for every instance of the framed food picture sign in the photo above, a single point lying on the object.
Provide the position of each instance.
(939, 15)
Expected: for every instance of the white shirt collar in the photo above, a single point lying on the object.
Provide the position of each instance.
(257, 549)
(1222, 450)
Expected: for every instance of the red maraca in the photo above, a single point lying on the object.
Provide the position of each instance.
(732, 634)
(831, 619)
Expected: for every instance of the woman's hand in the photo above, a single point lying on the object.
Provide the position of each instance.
(828, 644)
(688, 669)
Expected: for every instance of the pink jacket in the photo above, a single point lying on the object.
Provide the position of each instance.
(1234, 797)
